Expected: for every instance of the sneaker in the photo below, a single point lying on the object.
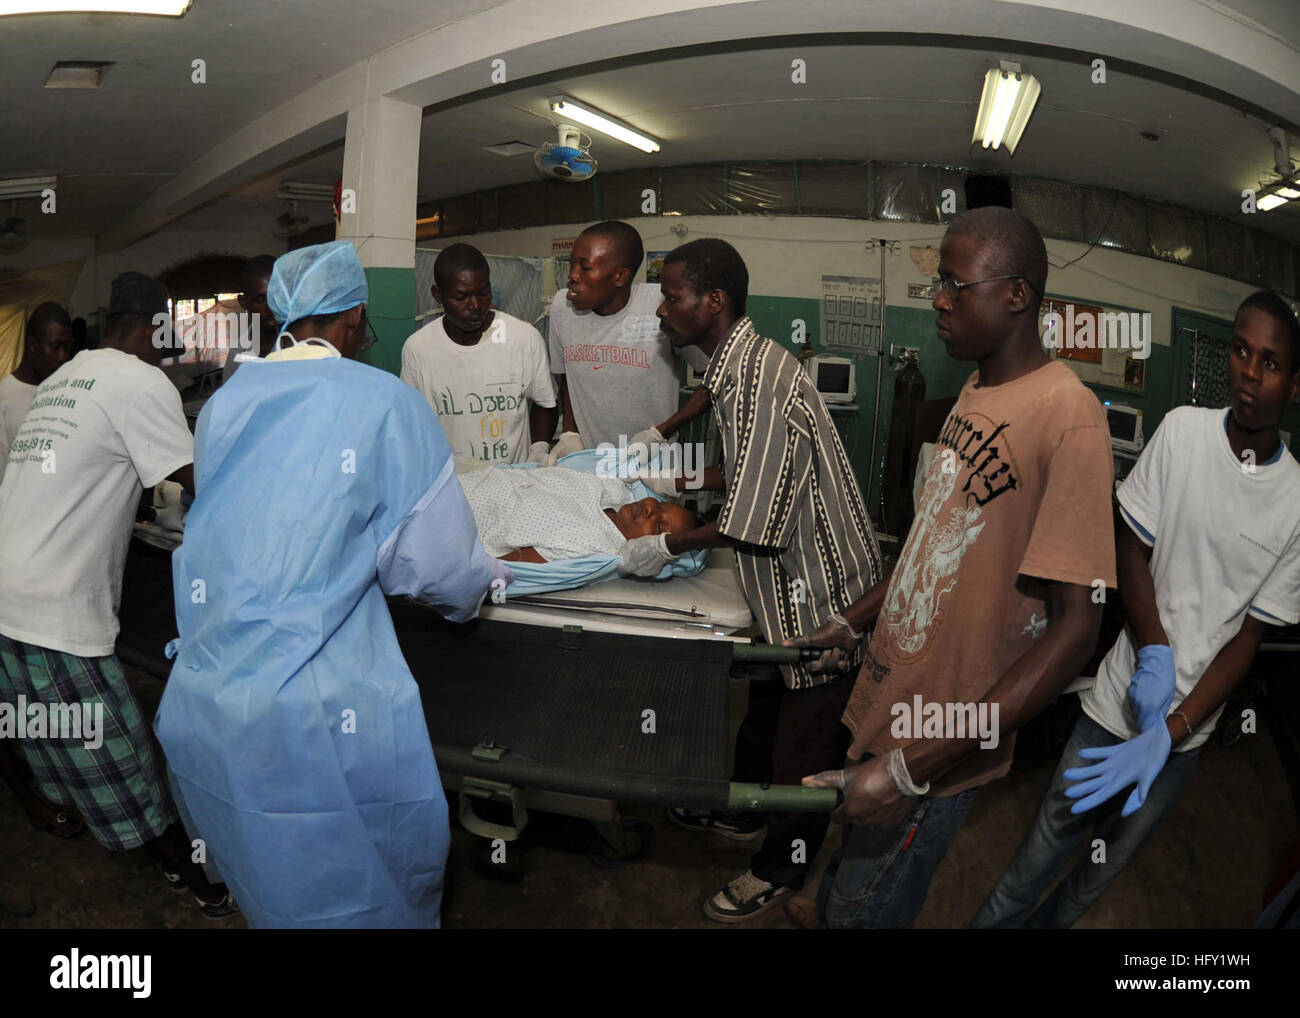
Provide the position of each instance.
(736, 826)
(744, 898)
(219, 910)
(174, 881)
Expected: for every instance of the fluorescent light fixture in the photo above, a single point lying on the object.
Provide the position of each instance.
(1279, 192)
(170, 8)
(565, 107)
(292, 190)
(1005, 105)
(26, 187)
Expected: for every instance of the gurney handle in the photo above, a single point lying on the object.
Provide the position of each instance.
(769, 654)
(782, 798)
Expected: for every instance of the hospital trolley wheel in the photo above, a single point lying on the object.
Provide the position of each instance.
(638, 835)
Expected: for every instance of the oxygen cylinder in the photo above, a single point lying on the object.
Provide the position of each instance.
(909, 390)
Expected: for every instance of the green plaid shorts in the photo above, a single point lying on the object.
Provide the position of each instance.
(118, 788)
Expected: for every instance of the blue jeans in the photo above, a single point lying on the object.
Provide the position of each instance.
(1056, 834)
(880, 876)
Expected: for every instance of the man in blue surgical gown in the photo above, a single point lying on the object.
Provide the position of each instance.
(294, 734)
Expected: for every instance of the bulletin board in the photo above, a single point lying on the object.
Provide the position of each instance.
(850, 315)
(1098, 364)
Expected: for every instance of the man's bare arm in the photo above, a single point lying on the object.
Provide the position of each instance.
(541, 422)
(1035, 679)
(184, 477)
(570, 422)
(1137, 589)
(1225, 673)
(696, 405)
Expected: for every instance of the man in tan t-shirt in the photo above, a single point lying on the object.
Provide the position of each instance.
(990, 611)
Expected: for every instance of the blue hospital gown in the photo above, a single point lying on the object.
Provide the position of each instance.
(295, 738)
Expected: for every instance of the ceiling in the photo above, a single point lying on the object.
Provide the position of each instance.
(912, 99)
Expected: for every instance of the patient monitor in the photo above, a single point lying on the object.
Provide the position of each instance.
(834, 377)
(1125, 427)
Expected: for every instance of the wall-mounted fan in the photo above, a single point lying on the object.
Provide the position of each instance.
(567, 158)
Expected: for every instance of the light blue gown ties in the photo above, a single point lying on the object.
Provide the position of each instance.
(294, 734)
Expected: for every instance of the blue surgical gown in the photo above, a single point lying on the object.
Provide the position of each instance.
(295, 738)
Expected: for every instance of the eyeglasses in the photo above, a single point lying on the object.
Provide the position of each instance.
(372, 337)
(953, 288)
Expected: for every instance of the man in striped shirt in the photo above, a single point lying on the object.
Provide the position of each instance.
(804, 546)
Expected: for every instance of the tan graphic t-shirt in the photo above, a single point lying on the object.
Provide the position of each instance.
(1019, 491)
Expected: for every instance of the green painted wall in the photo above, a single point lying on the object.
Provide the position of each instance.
(944, 377)
(391, 310)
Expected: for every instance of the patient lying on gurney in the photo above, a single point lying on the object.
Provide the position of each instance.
(554, 513)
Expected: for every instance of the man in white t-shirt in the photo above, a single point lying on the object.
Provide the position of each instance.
(1208, 554)
(47, 344)
(99, 428)
(484, 372)
(617, 366)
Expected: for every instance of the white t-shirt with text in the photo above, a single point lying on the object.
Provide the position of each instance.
(481, 393)
(15, 398)
(101, 427)
(1225, 539)
(620, 368)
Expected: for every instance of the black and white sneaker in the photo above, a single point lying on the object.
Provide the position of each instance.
(744, 898)
(736, 826)
(222, 909)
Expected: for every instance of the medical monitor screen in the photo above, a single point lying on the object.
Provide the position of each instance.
(1123, 426)
(833, 378)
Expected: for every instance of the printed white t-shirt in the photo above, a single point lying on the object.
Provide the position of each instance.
(15, 397)
(481, 393)
(620, 368)
(100, 427)
(1225, 540)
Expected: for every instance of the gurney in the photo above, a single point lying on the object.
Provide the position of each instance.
(541, 704)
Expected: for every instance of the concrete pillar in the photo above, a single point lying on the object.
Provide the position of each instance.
(381, 162)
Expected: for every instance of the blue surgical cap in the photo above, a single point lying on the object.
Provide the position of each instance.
(317, 280)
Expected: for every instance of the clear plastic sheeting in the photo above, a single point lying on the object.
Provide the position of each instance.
(694, 191)
(1176, 235)
(1054, 206)
(1113, 219)
(1272, 261)
(1229, 252)
(834, 189)
(763, 188)
(906, 193)
(518, 280)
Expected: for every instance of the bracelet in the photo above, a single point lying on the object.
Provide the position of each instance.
(1179, 714)
(897, 768)
(837, 617)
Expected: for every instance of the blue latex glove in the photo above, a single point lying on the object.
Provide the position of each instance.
(1136, 761)
(1151, 690)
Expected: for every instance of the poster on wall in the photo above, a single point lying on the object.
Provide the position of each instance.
(561, 248)
(1105, 345)
(654, 265)
(851, 315)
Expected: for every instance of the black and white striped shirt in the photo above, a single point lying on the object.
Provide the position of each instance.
(808, 550)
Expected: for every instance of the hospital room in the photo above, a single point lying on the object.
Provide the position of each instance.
(624, 539)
